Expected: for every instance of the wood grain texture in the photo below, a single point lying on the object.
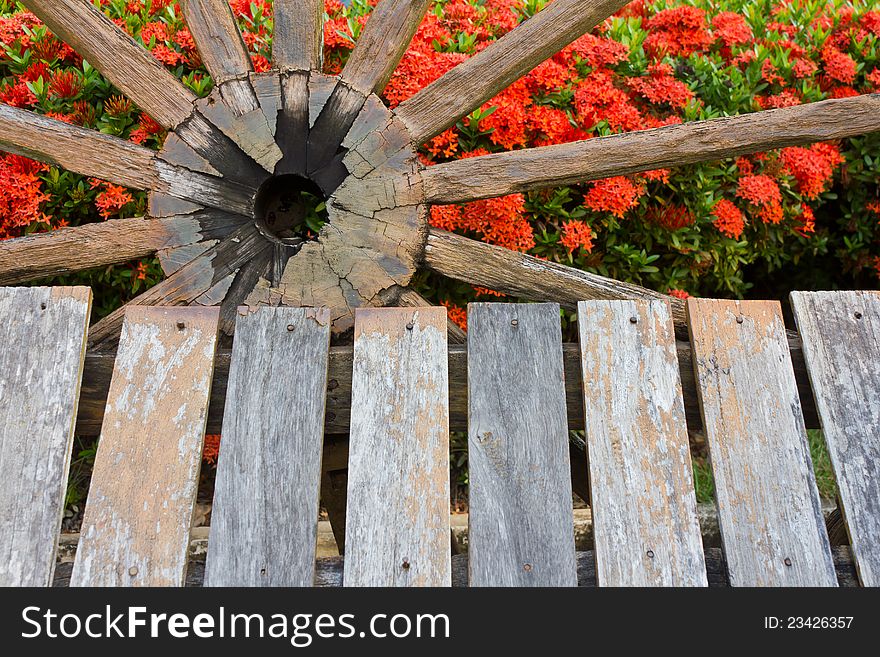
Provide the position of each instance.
(90, 245)
(399, 451)
(476, 80)
(42, 349)
(298, 41)
(841, 342)
(700, 141)
(520, 531)
(293, 123)
(76, 149)
(128, 65)
(209, 142)
(641, 479)
(233, 107)
(217, 38)
(769, 512)
(99, 366)
(264, 520)
(189, 282)
(137, 521)
(521, 275)
(381, 44)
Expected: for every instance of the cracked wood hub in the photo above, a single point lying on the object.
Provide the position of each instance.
(242, 170)
(375, 230)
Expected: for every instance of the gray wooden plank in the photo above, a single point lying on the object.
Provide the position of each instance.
(840, 332)
(42, 351)
(264, 521)
(641, 477)
(521, 525)
(139, 511)
(397, 523)
(769, 512)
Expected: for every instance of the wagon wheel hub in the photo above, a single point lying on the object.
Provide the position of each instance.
(368, 244)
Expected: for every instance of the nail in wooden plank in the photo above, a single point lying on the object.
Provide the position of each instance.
(641, 478)
(137, 520)
(840, 332)
(769, 513)
(42, 351)
(397, 528)
(264, 521)
(521, 525)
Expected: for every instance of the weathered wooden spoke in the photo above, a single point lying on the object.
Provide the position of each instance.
(227, 214)
(563, 164)
(473, 82)
(298, 42)
(524, 276)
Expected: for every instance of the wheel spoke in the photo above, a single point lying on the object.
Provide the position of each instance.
(376, 54)
(217, 38)
(83, 247)
(524, 276)
(564, 164)
(189, 282)
(381, 45)
(77, 149)
(124, 62)
(298, 41)
(473, 82)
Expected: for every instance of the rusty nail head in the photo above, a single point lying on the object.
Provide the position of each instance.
(43, 306)
(787, 561)
(739, 319)
(633, 320)
(514, 322)
(181, 326)
(409, 326)
(858, 315)
(650, 554)
(405, 564)
(527, 567)
(133, 571)
(290, 327)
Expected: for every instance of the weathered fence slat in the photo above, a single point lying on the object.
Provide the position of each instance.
(521, 525)
(264, 521)
(137, 520)
(397, 527)
(840, 332)
(641, 479)
(771, 522)
(42, 350)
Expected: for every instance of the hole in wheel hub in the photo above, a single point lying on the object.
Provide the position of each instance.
(290, 209)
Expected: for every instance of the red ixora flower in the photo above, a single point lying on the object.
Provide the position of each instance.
(728, 219)
(577, 235)
(812, 167)
(763, 193)
(615, 195)
(678, 294)
(112, 200)
(838, 65)
(65, 84)
(732, 28)
(677, 31)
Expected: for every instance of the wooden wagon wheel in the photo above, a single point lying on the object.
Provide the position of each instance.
(229, 158)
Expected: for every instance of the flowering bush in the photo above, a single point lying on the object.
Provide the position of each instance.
(798, 217)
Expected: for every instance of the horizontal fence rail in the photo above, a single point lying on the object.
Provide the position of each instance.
(99, 366)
